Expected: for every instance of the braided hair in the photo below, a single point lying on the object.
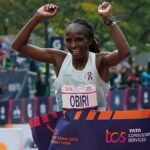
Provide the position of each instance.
(94, 47)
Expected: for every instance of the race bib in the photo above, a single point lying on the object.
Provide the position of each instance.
(79, 97)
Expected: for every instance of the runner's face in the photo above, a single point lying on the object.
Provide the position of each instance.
(76, 40)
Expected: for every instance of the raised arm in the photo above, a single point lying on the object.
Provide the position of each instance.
(123, 50)
(21, 41)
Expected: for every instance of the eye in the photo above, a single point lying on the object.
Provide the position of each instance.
(68, 40)
(80, 39)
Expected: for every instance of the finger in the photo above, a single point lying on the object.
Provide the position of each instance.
(106, 5)
(99, 9)
(100, 6)
(52, 6)
(47, 7)
(104, 9)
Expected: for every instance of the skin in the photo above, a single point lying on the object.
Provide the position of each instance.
(76, 43)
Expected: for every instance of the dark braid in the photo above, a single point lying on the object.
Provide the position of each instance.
(94, 47)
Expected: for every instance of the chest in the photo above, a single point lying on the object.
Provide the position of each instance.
(75, 76)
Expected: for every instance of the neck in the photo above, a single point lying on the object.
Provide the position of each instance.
(80, 64)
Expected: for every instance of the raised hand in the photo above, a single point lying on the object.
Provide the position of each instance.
(47, 11)
(104, 9)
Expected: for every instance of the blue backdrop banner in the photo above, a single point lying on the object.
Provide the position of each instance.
(70, 130)
(14, 85)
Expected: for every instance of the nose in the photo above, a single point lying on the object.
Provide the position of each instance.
(73, 44)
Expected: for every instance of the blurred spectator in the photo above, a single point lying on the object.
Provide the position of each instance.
(145, 75)
(4, 51)
(124, 74)
(132, 80)
(33, 66)
(139, 70)
(112, 76)
(9, 64)
(40, 85)
(3, 56)
(117, 80)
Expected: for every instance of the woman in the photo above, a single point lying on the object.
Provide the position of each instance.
(82, 76)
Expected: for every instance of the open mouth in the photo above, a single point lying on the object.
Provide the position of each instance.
(75, 52)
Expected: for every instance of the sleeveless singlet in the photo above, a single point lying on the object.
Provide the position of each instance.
(80, 89)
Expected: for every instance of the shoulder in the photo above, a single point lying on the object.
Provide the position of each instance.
(100, 58)
(101, 55)
(58, 58)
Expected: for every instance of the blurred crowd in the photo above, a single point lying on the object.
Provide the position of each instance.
(129, 74)
(15, 61)
(125, 74)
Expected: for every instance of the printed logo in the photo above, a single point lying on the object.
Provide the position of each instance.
(51, 129)
(115, 137)
(138, 136)
(89, 75)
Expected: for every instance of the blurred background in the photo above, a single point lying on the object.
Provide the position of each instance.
(27, 86)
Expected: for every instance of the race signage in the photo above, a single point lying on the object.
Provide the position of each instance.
(14, 85)
(91, 130)
(57, 42)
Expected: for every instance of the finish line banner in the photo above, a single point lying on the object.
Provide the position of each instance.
(70, 130)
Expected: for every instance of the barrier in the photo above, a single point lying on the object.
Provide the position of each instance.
(129, 98)
(22, 110)
(12, 138)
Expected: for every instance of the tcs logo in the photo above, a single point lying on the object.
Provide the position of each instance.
(115, 137)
